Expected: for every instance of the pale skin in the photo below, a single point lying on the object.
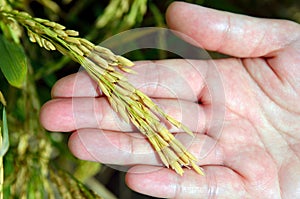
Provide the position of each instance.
(257, 154)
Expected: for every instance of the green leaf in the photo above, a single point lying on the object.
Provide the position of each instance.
(5, 140)
(13, 62)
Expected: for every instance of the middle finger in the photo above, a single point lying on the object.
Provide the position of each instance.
(69, 114)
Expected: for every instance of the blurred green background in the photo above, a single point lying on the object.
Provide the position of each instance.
(97, 20)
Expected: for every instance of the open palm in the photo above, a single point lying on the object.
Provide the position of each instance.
(257, 153)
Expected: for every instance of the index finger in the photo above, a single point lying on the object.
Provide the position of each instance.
(231, 34)
(174, 78)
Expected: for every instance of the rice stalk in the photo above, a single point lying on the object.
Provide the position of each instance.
(3, 148)
(103, 65)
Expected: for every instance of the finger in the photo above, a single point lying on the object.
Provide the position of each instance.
(182, 79)
(228, 33)
(218, 182)
(75, 113)
(132, 148)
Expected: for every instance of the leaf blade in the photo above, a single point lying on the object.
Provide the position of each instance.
(13, 62)
(5, 138)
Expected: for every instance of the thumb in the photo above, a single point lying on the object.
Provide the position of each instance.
(232, 34)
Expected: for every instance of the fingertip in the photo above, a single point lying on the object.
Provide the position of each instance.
(63, 87)
(46, 113)
(152, 180)
(43, 116)
(54, 118)
(174, 10)
(169, 11)
(78, 149)
(192, 23)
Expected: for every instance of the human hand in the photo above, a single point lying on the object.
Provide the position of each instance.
(257, 154)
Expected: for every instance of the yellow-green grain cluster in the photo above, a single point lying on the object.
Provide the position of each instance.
(136, 107)
(106, 69)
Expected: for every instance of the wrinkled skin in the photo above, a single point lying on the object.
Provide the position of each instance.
(257, 154)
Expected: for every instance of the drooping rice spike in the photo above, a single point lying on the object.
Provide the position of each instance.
(130, 103)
